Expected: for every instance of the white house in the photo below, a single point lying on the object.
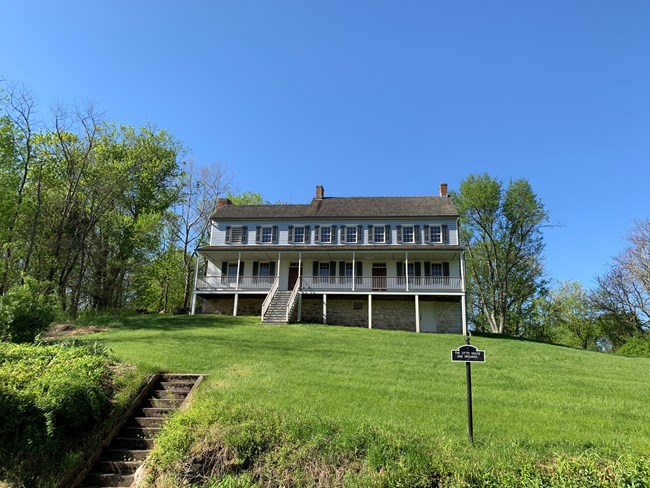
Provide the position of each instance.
(376, 262)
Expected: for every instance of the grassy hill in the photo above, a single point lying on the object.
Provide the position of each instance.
(373, 406)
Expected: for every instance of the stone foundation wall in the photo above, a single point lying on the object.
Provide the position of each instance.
(449, 317)
(393, 314)
(339, 311)
(225, 305)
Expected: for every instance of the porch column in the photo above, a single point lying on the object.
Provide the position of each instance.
(234, 308)
(196, 278)
(463, 313)
(324, 308)
(299, 307)
(238, 265)
(278, 269)
(417, 313)
(370, 311)
(354, 269)
(406, 271)
(462, 271)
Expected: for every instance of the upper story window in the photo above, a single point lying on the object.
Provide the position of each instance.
(237, 234)
(299, 235)
(351, 232)
(436, 233)
(326, 234)
(379, 233)
(266, 235)
(408, 233)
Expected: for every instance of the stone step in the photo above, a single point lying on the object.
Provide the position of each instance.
(156, 411)
(109, 479)
(116, 467)
(140, 432)
(133, 443)
(145, 421)
(125, 454)
(181, 394)
(163, 402)
(178, 376)
(175, 385)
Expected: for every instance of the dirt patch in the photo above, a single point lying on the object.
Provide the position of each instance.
(58, 331)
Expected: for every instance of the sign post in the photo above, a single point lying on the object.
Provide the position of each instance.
(468, 354)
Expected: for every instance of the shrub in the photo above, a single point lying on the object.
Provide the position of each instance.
(46, 394)
(25, 311)
(636, 347)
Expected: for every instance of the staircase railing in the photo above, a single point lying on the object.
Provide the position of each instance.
(292, 298)
(269, 297)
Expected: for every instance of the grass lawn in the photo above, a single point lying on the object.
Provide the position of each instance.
(528, 397)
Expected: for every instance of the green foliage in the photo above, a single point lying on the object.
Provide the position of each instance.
(247, 198)
(636, 347)
(47, 393)
(501, 230)
(25, 311)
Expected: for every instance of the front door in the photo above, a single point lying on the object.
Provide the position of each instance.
(294, 273)
(427, 317)
(379, 276)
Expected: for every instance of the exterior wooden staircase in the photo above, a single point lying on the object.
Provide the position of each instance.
(277, 311)
(133, 439)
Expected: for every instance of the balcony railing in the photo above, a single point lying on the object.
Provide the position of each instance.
(335, 283)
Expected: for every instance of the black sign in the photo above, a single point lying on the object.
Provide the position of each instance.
(467, 353)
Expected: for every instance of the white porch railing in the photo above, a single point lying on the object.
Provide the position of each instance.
(262, 283)
(333, 283)
(381, 283)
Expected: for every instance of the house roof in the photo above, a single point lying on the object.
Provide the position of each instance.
(344, 207)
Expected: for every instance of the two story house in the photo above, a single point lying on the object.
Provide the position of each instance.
(376, 262)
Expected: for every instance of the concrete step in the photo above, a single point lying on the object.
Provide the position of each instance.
(117, 467)
(140, 432)
(133, 443)
(175, 385)
(145, 421)
(124, 454)
(156, 411)
(181, 394)
(163, 402)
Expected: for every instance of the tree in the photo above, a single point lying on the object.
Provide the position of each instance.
(199, 190)
(501, 231)
(623, 293)
(576, 322)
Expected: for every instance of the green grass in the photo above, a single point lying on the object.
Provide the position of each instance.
(531, 400)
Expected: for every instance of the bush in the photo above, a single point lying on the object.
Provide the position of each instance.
(46, 394)
(25, 311)
(636, 347)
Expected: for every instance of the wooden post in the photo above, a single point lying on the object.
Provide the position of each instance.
(324, 308)
(234, 308)
(417, 313)
(370, 311)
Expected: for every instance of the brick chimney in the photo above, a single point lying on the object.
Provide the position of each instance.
(222, 202)
(443, 190)
(320, 192)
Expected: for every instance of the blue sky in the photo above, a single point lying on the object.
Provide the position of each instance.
(373, 97)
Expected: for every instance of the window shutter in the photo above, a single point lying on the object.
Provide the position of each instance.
(307, 234)
(274, 238)
(315, 268)
(371, 235)
(334, 235)
(360, 234)
(388, 236)
(344, 238)
(427, 237)
(290, 238)
(227, 234)
(418, 268)
(241, 269)
(224, 268)
(244, 235)
(359, 266)
(445, 234)
(445, 269)
(258, 234)
(317, 234)
(256, 268)
(332, 268)
(341, 268)
(272, 268)
(417, 237)
(399, 234)
(427, 268)
(400, 269)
